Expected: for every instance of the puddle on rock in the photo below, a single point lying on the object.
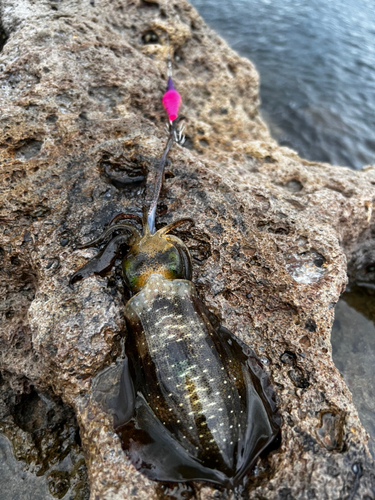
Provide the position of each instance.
(353, 350)
(306, 267)
(331, 429)
(40, 453)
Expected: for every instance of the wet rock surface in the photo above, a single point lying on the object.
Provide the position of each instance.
(80, 92)
(40, 453)
(353, 346)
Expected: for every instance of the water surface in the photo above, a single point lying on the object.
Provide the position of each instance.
(316, 61)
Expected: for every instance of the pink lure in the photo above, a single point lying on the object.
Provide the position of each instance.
(171, 101)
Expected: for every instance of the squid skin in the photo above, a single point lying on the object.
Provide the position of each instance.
(203, 406)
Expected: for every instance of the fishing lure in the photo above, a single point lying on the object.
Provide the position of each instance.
(171, 99)
(194, 402)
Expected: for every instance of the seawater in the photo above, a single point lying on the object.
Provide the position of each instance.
(316, 61)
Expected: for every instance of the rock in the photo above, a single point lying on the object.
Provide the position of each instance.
(81, 88)
(41, 456)
(351, 312)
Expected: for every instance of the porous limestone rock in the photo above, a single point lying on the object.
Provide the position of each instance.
(81, 83)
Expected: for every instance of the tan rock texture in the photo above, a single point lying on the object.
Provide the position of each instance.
(80, 91)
